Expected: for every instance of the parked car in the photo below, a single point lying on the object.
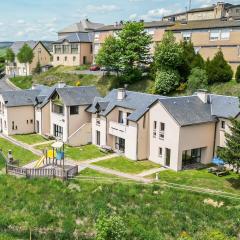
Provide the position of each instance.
(94, 67)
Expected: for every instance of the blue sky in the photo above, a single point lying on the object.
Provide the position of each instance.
(41, 19)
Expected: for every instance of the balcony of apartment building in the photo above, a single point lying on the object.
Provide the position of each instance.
(119, 129)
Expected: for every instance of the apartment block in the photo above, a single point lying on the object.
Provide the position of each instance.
(216, 11)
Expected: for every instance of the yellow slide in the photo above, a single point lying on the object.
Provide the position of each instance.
(39, 162)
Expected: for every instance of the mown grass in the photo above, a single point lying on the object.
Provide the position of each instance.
(201, 178)
(30, 138)
(68, 210)
(24, 156)
(127, 166)
(88, 172)
(78, 153)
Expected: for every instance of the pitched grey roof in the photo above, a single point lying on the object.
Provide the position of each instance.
(204, 24)
(16, 46)
(76, 96)
(136, 101)
(20, 98)
(77, 38)
(188, 110)
(224, 106)
(151, 24)
(82, 26)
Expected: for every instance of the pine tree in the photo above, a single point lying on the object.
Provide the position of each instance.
(231, 153)
(218, 70)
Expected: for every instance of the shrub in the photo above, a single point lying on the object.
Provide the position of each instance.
(78, 84)
(110, 228)
(197, 80)
(237, 75)
(166, 81)
(218, 70)
(130, 75)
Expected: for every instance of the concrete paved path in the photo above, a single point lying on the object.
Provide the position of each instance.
(151, 171)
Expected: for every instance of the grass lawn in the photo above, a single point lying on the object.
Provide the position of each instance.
(127, 166)
(3, 51)
(201, 178)
(68, 210)
(24, 156)
(30, 138)
(88, 172)
(23, 82)
(79, 153)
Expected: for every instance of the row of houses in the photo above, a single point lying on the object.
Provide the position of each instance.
(210, 29)
(172, 131)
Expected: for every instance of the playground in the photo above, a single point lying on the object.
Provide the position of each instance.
(50, 165)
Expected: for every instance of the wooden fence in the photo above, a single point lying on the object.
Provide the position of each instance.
(43, 172)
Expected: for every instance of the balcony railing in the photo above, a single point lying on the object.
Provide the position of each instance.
(117, 129)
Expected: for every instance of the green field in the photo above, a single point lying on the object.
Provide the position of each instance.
(24, 156)
(56, 210)
(2, 51)
(127, 166)
(30, 138)
(78, 153)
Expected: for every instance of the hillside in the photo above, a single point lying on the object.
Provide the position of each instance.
(106, 83)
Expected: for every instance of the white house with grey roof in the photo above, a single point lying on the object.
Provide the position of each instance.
(41, 55)
(173, 131)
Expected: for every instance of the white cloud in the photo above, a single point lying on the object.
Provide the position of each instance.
(154, 14)
(20, 21)
(102, 8)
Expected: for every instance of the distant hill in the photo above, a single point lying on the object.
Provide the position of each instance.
(5, 44)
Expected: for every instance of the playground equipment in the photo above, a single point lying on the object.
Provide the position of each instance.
(54, 156)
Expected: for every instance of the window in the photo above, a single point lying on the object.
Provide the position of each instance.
(27, 121)
(144, 121)
(74, 48)
(66, 49)
(98, 122)
(127, 118)
(150, 31)
(225, 34)
(57, 58)
(57, 131)
(58, 49)
(31, 121)
(74, 110)
(65, 59)
(187, 36)
(161, 130)
(214, 35)
(57, 109)
(191, 156)
(238, 51)
(160, 152)
(74, 59)
(120, 117)
(96, 36)
(154, 129)
(13, 125)
(223, 124)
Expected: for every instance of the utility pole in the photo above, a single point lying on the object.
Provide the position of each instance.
(190, 5)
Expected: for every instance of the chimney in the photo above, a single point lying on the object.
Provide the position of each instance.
(61, 85)
(203, 95)
(121, 94)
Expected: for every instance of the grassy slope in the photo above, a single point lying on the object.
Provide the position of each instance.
(125, 165)
(24, 156)
(2, 51)
(30, 138)
(79, 153)
(149, 212)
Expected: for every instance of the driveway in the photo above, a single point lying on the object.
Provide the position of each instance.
(4, 86)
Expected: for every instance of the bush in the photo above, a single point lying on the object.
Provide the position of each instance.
(197, 80)
(130, 76)
(110, 228)
(166, 81)
(218, 70)
(237, 75)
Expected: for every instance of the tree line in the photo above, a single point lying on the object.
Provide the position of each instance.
(173, 66)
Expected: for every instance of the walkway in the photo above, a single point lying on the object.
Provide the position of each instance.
(151, 171)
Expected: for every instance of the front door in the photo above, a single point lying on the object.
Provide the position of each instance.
(120, 144)
(98, 138)
(168, 157)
